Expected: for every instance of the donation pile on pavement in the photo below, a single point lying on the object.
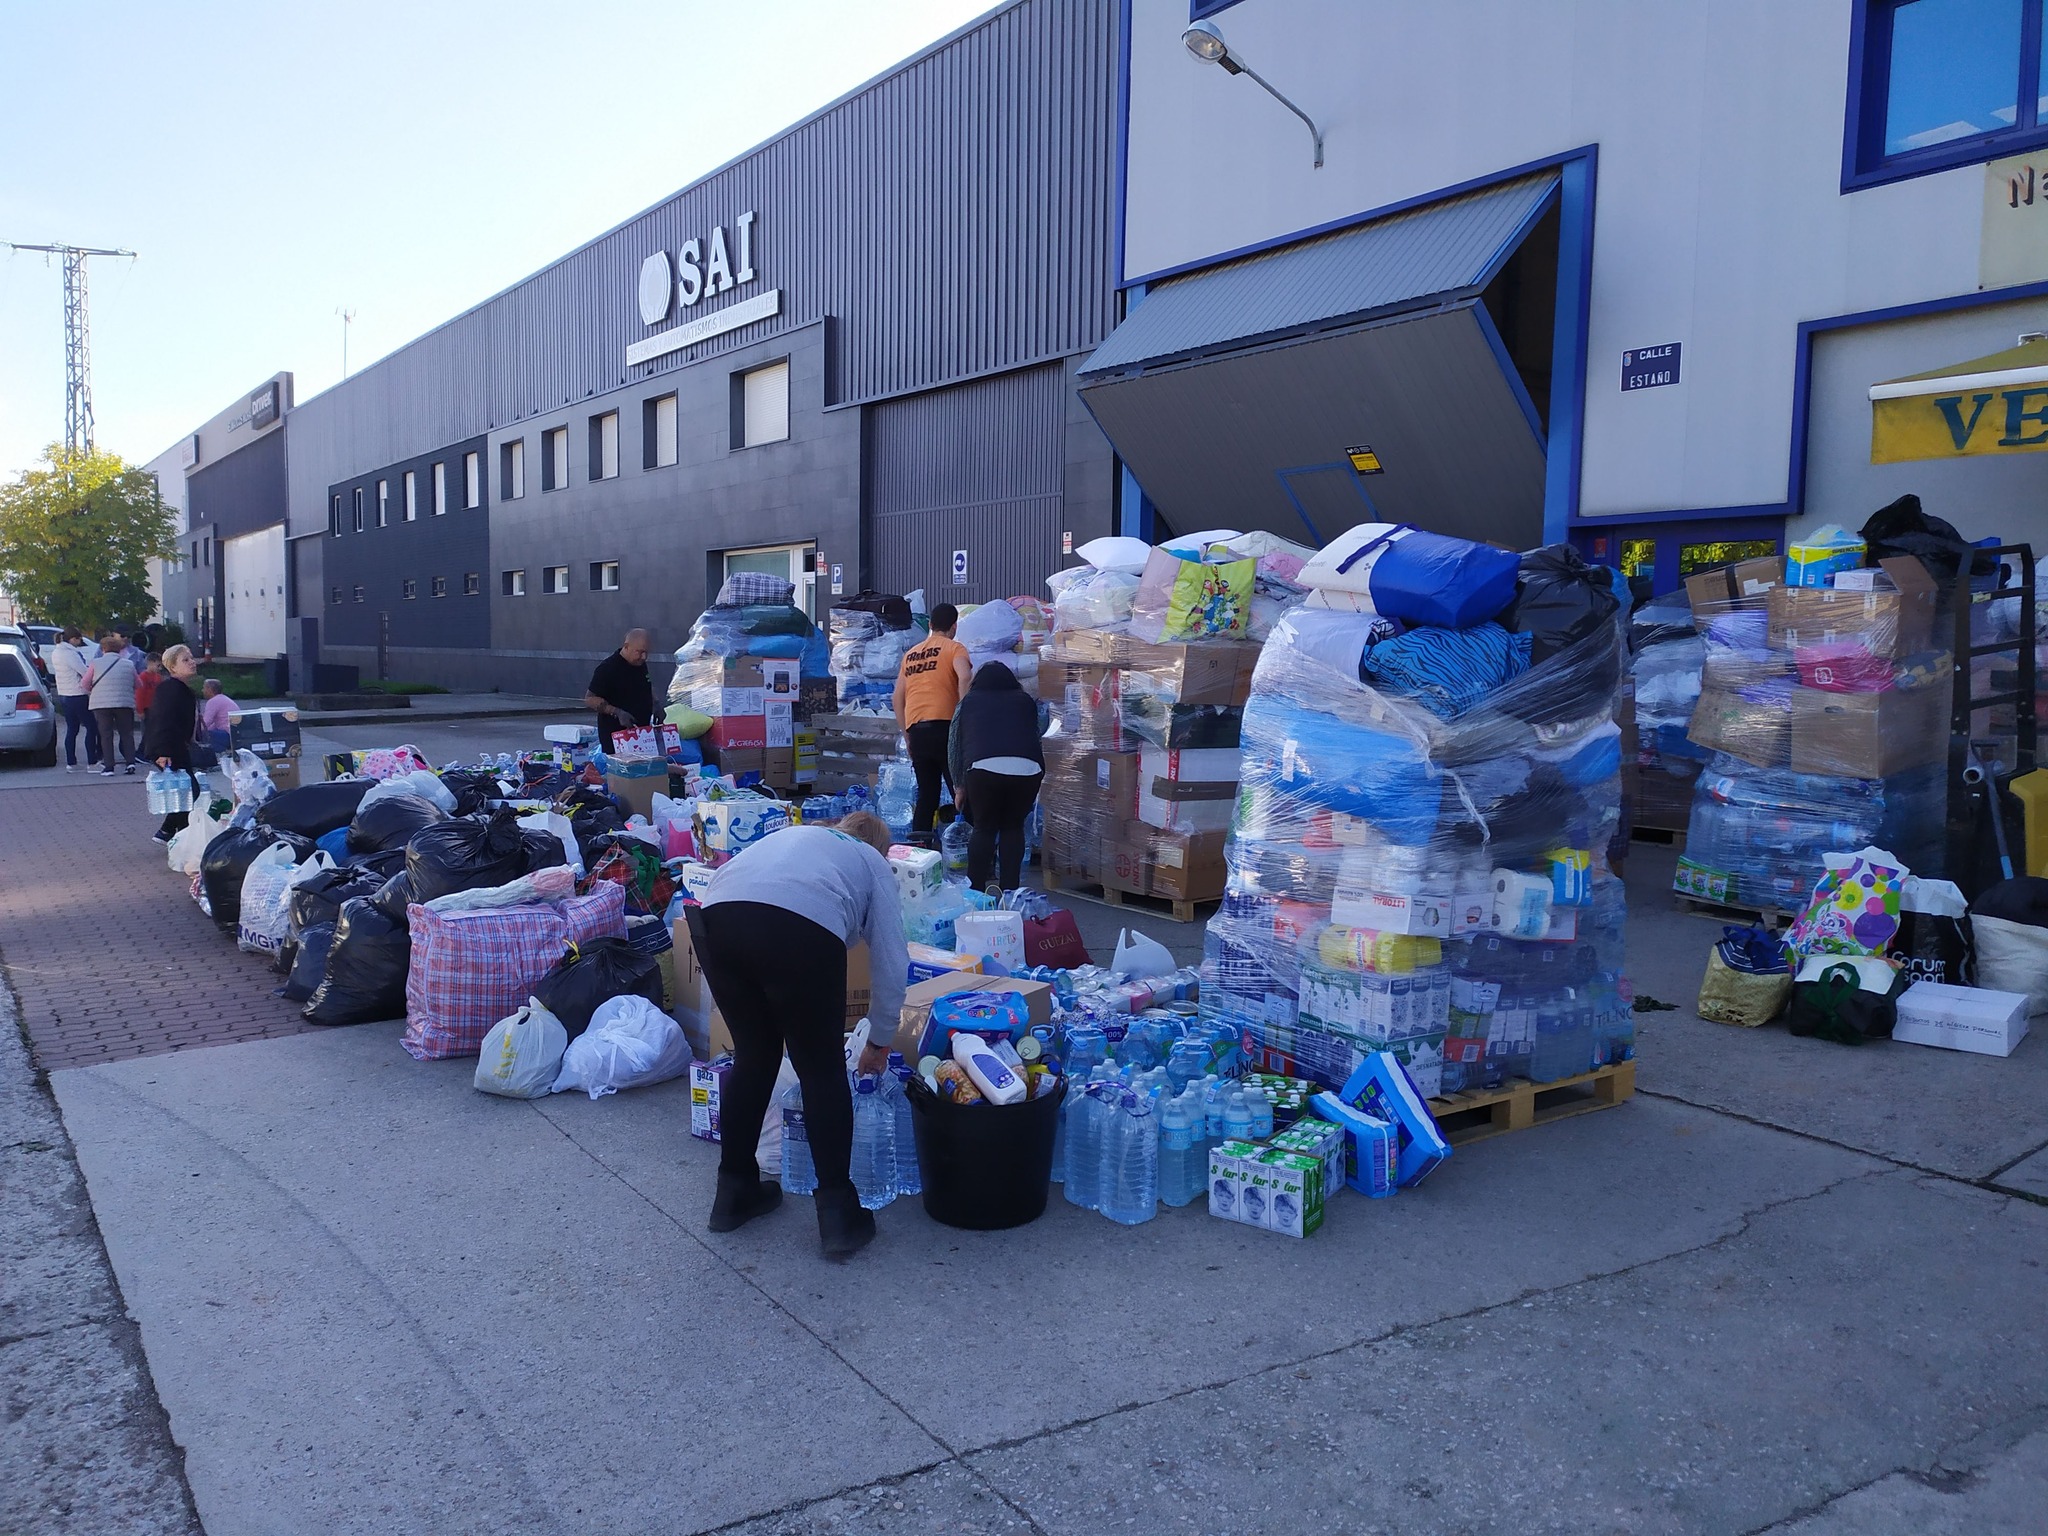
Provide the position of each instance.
(1660, 762)
(749, 681)
(1430, 784)
(1824, 701)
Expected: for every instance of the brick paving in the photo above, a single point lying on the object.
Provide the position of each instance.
(108, 953)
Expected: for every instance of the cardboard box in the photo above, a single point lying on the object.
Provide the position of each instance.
(722, 702)
(1892, 624)
(1124, 867)
(1187, 791)
(266, 732)
(1972, 1019)
(1181, 866)
(746, 764)
(637, 794)
(693, 992)
(778, 767)
(1815, 565)
(743, 732)
(780, 727)
(816, 696)
(919, 997)
(1727, 586)
(1867, 735)
(1724, 721)
(780, 678)
(1157, 722)
(1204, 672)
(284, 771)
(707, 1092)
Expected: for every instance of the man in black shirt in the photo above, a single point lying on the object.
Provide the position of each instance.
(620, 690)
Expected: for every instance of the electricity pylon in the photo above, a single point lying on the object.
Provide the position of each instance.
(77, 340)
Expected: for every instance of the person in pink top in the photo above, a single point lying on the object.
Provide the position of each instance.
(213, 715)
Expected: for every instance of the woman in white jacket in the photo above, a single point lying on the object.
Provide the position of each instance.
(70, 659)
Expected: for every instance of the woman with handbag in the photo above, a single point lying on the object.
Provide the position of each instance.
(171, 724)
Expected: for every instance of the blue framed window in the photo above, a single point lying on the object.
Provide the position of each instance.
(1935, 84)
(1197, 9)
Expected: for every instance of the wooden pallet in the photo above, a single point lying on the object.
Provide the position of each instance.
(1722, 912)
(1474, 1116)
(1092, 888)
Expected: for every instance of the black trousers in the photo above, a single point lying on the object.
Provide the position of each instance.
(927, 742)
(998, 804)
(780, 982)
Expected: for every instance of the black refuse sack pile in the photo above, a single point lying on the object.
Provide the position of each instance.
(591, 973)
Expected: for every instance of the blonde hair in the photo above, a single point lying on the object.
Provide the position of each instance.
(869, 828)
(176, 656)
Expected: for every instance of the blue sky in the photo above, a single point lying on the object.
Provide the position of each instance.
(270, 163)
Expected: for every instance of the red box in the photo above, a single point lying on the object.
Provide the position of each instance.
(739, 732)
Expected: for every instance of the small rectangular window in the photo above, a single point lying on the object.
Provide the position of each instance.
(604, 575)
(472, 480)
(658, 432)
(512, 583)
(359, 593)
(412, 495)
(336, 591)
(409, 590)
(333, 525)
(440, 490)
(383, 503)
(472, 583)
(760, 406)
(604, 446)
(557, 580)
(512, 470)
(358, 509)
(554, 459)
(440, 586)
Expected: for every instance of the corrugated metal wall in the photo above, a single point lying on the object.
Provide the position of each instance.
(976, 467)
(954, 218)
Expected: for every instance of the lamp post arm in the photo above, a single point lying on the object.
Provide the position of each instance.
(1314, 131)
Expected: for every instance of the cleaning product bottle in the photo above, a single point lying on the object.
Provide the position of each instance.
(998, 1084)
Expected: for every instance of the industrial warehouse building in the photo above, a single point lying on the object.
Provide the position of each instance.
(846, 357)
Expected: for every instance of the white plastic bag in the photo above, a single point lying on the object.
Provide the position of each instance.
(189, 846)
(630, 1044)
(557, 826)
(991, 627)
(553, 885)
(265, 900)
(522, 1054)
(1096, 600)
(250, 779)
(1932, 898)
(422, 782)
(1137, 955)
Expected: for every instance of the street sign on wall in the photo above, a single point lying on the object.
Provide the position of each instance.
(1649, 367)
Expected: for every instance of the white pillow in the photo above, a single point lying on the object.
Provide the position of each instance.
(1116, 553)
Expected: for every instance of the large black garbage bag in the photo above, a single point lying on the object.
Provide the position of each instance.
(590, 828)
(471, 787)
(227, 860)
(319, 900)
(383, 865)
(393, 897)
(1902, 528)
(309, 963)
(466, 854)
(543, 850)
(389, 822)
(1559, 600)
(314, 810)
(365, 975)
(594, 973)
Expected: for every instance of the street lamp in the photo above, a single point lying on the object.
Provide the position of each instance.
(1205, 41)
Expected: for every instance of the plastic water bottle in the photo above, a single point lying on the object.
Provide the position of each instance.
(1185, 1063)
(1212, 1112)
(1130, 1191)
(1083, 1185)
(1237, 1116)
(953, 847)
(799, 1173)
(874, 1144)
(909, 1176)
(1183, 1161)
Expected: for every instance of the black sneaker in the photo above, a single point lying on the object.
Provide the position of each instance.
(160, 836)
(131, 770)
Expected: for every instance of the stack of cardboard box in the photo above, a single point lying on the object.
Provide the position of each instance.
(759, 706)
(1141, 767)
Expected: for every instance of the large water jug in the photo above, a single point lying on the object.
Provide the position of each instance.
(1130, 1175)
(953, 846)
(874, 1144)
(896, 796)
(1183, 1160)
(799, 1173)
(909, 1177)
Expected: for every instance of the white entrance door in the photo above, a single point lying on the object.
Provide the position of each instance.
(784, 560)
(252, 568)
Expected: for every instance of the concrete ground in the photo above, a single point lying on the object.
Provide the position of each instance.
(1789, 1286)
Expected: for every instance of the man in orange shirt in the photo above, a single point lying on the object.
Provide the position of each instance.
(935, 674)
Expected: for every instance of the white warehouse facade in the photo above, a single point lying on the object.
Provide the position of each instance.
(1586, 269)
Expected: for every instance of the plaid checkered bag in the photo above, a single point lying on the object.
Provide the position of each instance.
(471, 969)
(743, 587)
(637, 869)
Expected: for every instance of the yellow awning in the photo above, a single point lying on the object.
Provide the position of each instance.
(1995, 404)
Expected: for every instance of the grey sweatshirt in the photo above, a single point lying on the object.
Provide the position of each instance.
(843, 886)
(113, 681)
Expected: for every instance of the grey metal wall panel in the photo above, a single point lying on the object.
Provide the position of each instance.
(977, 467)
(1220, 442)
(952, 219)
(1448, 248)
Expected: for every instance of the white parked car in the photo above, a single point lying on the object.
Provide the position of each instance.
(28, 715)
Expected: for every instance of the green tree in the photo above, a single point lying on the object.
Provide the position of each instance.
(77, 534)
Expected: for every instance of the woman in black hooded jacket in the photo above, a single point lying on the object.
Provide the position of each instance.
(171, 724)
(994, 757)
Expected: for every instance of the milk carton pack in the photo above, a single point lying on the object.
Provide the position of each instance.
(1321, 1140)
(1292, 1186)
(707, 1091)
(1227, 1164)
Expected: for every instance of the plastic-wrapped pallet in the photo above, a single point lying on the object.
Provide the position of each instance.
(1660, 764)
(1418, 862)
(1826, 709)
(869, 635)
(756, 670)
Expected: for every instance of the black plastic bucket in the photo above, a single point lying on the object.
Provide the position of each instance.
(985, 1166)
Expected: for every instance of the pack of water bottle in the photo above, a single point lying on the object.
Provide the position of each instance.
(170, 791)
(884, 1144)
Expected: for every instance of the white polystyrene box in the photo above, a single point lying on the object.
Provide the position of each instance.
(1962, 1018)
